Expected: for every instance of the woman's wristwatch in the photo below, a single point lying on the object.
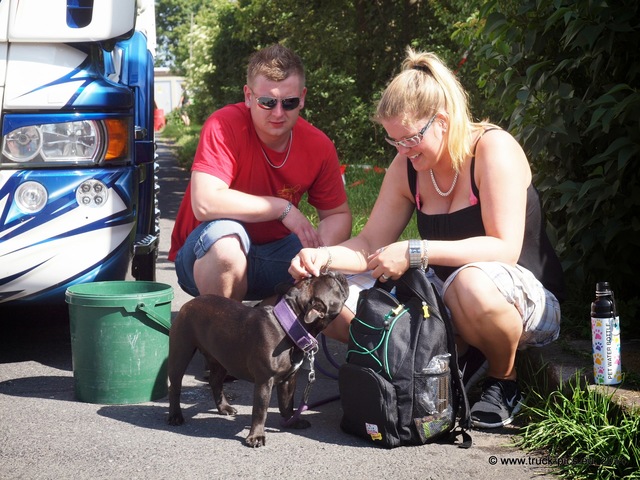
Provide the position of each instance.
(418, 254)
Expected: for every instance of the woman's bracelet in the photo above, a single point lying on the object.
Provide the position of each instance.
(325, 268)
(286, 211)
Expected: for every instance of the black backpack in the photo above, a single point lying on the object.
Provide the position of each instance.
(400, 384)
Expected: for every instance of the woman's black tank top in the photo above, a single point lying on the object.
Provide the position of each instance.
(537, 255)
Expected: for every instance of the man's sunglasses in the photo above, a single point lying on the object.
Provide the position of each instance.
(269, 103)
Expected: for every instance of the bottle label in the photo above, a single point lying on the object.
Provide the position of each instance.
(607, 364)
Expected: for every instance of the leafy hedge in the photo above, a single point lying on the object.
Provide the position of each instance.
(566, 76)
(560, 75)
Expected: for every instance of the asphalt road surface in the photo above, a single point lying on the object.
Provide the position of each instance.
(45, 433)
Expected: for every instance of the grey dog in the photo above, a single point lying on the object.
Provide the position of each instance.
(250, 343)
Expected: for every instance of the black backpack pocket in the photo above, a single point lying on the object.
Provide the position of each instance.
(369, 410)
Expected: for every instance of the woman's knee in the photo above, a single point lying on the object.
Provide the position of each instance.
(479, 310)
(473, 294)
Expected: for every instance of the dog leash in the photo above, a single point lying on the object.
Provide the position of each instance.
(309, 345)
(305, 342)
(304, 403)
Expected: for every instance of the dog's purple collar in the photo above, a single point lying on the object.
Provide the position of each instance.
(293, 327)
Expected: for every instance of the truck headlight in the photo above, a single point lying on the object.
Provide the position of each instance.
(70, 141)
(81, 142)
(23, 144)
(31, 197)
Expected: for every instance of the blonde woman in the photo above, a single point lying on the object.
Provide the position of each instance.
(482, 231)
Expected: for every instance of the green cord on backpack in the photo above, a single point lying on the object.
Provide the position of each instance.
(385, 335)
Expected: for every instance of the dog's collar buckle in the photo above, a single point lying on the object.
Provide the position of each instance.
(289, 321)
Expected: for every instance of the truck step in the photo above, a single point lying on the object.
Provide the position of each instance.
(145, 244)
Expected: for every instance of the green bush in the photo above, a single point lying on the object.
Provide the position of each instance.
(186, 138)
(350, 50)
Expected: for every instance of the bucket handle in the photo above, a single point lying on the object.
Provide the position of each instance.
(154, 316)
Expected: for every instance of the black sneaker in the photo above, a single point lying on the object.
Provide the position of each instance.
(498, 404)
(473, 366)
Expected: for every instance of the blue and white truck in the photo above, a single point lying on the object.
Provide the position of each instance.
(78, 198)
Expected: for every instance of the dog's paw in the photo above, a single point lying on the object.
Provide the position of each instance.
(255, 441)
(175, 419)
(226, 410)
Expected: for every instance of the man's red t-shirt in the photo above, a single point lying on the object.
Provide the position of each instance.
(230, 150)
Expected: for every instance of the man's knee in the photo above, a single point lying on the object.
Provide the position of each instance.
(228, 253)
(222, 270)
(338, 329)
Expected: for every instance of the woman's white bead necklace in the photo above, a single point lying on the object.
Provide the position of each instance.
(266, 157)
(435, 185)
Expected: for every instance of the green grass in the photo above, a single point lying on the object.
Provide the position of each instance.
(185, 137)
(362, 186)
(583, 434)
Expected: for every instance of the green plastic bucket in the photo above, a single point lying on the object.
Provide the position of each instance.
(119, 340)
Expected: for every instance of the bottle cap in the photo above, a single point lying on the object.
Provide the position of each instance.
(603, 287)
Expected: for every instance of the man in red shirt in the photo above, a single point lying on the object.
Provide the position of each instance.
(238, 226)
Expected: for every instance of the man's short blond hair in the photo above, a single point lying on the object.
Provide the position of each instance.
(275, 63)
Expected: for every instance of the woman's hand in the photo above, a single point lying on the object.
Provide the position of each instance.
(308, 262)
(390, 261)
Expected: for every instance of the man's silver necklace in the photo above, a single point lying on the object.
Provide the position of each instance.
(435, 185)
(266, 157)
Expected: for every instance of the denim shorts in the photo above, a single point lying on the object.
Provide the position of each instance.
(268, 264)
(538, 307)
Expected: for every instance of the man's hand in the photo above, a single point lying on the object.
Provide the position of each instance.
(297, 223)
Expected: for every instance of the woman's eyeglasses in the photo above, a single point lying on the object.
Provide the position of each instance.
(269, 103)
(410, 142)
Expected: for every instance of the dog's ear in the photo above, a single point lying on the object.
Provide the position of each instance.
(343, 284)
